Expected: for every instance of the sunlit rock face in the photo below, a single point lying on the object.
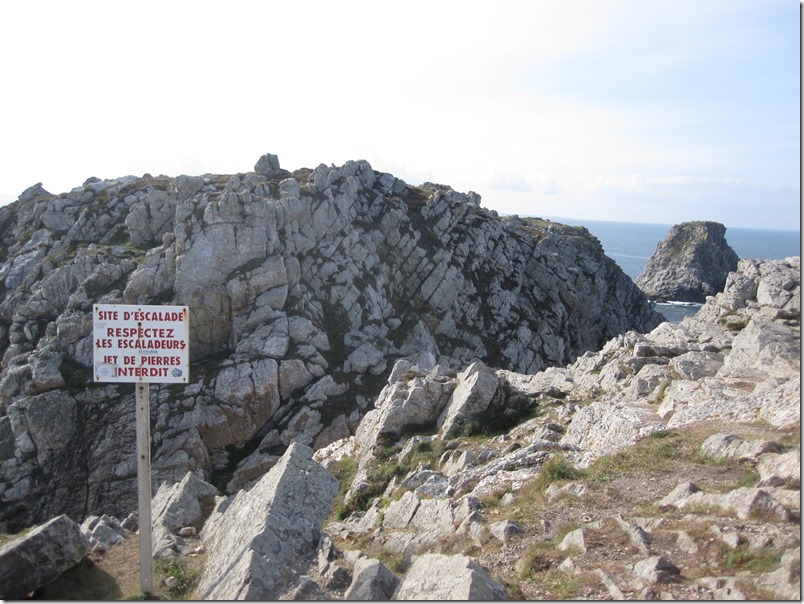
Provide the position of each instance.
(304, 288)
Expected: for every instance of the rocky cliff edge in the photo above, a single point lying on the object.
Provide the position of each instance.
(304, 288)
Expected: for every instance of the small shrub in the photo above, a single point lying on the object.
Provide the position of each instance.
(186, 571)
(756, 561)
(562, 585)
(749, 480)
(559, 468)
(416, 428)
(396, 563)
(473, 427)
(534, 560)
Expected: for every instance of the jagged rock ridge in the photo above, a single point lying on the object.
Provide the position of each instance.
(736, 363)
(303, 289)
(468, 518)
(691, 263)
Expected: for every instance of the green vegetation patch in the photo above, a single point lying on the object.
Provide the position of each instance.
(661, 451)
(185, 572)
(558, 468)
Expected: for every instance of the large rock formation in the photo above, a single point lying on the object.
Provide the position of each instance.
(736, 363)
(691, 263)
(303, 289)
(696, 496)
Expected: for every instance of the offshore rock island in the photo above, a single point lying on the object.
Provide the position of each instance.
(691, 263)
(390, 368)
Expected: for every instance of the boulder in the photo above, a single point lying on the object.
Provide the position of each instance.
(730, 446)
(691, 263)
(257, 539)
(102, 532)
(656, 569)
(267, 165)
(784, 582)
(441, 577)
(574, 540)
(177, 506)
(371, 580)
(475, 390)
(416, 397)
(32, 561)
(505, 530)
(743, 502)
(777, 469)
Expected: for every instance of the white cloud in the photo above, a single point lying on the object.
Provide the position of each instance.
(542, 184)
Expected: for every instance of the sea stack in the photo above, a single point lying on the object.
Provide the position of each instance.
(691, 263)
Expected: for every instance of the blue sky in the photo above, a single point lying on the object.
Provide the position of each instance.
(635, 110)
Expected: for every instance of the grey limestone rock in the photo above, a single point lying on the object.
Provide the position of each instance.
(475, 390)
(102, 532)
(692, 262)
(574, 540)
(777, 469)
(656, 569)
(304, 290)
(441, 577)
(177, 506)
(44, 553)
(505, 530)
(733, 447)
(371, 580)
(257, 538)
(743, 502)
(267, 165)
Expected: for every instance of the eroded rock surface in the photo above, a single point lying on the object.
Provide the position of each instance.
(32, 561)
(304, 289)
(256, 539)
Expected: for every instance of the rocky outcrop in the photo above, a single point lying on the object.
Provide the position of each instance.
(736, 361)
(39, 557)
(304, 289)
(691, 263)
(713, 401)
(446, 362)
(257, 539)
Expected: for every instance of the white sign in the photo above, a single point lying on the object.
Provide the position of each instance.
(135, 343)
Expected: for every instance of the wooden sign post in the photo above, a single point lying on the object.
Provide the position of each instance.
(142, 344)
(143, 400)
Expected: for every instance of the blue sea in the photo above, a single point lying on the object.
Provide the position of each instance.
(631, 244)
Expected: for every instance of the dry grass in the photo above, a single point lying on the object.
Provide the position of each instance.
(628, 483)
(116, 576)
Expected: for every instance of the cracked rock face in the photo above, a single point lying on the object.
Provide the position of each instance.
(691, 263)
(304, 289)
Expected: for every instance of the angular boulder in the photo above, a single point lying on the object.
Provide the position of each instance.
(371, 580)
(440, 577)
(177, 506)
(692, 262)
(39, 557)
(475, 391)
(779, 469)
(102, 532)
(256, 538)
